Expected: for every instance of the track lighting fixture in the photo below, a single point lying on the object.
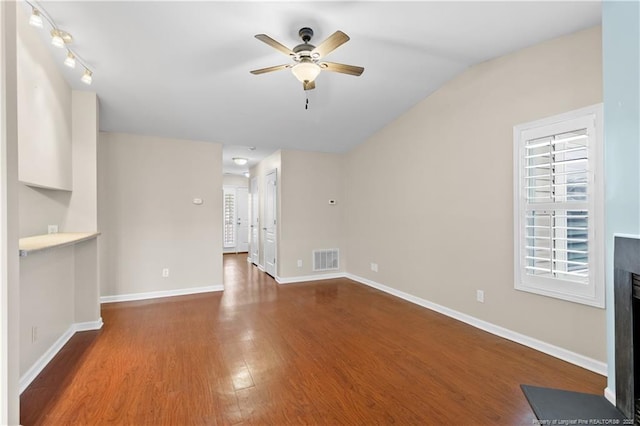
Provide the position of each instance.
(70, 60)
(87, 77)
(60, 39)
(35, 19)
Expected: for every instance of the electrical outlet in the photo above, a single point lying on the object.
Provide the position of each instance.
(34, 334)
(374, 267)
(480, 296)
(52, 229)
(165, 272)
(299, 263)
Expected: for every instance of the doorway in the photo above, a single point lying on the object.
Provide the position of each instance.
(236, 219)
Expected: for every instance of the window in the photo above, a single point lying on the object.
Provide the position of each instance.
(558, 207)
(229, 218)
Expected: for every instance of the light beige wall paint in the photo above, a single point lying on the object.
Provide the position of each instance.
(86, 294)
(103, 220)
(46, 301)
(309, 180)
(44, 112)
(9, 266)
(430, 195)
(82, 214)
(72, 211)
(40, 207)
(260, 170)
(58, 287)
(150, 221)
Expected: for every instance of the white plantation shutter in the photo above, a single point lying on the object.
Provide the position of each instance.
(229, 217)
(557, 199)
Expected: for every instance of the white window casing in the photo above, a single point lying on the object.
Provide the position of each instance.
(558, 207)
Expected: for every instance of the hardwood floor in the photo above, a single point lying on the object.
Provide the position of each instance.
(327, 352)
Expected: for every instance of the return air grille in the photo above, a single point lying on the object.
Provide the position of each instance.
(326, 260)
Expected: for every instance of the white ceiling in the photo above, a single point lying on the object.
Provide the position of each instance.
(181, 69)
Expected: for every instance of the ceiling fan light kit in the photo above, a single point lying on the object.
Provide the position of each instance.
(306, 71)
(306, 57)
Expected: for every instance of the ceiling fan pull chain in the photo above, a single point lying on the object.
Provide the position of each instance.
(306, 104)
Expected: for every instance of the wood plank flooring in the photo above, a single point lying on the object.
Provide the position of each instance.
(326, 353)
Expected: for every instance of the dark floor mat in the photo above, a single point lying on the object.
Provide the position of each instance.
(554, 406)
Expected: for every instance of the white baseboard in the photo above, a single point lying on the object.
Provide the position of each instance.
(547, 348)
(157, 294)
(46, 358)
(89, 325)
(260, 267)
(610, 395)
(306, 278)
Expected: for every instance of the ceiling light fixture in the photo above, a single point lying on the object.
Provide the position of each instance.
(59, 38)
(246, 174)
(306, 71)
(240, 161)
(87, 77)
(35, 19)
(70, 60)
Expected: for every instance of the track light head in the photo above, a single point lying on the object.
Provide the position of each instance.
(87, 77)
(35, 19)
(70, 60)
(60, 38)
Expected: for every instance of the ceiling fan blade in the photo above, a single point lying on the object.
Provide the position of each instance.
(342, 68)
(270, 69)
(334, 41)
(276, 45)
(309, 85)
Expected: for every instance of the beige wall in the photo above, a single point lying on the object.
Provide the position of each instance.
(308, 181)
(57, 133)
(40, 207)
(46, 301)
(430, 195)
(44, 112)
(72, 211)
(147, 216)
(82, 214)
(9, 269)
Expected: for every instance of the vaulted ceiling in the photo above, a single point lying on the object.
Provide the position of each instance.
(181, 69)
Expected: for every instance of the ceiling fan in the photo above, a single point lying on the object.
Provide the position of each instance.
(306, 57)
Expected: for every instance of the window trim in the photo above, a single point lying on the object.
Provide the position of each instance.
(592, 293)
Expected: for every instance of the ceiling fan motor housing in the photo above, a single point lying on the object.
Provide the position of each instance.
(305, 34)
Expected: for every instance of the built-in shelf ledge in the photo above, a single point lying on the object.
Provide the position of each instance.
(42, 242)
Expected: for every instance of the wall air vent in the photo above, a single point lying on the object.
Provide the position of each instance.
(326, 260)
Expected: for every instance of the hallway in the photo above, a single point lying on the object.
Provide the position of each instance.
(326, 352)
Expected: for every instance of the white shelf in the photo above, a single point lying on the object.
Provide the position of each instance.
(43, 242)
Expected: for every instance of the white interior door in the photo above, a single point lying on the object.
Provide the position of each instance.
(242, 220)
(270, 224)
(255, 222)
